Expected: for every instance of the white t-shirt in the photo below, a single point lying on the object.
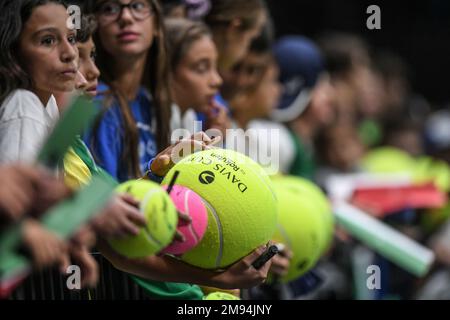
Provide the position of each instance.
(24, 125)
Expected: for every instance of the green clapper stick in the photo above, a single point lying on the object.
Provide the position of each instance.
(69, 215)
(63, 219)
(393, 245)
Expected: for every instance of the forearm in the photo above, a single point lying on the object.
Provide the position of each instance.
(164, 269)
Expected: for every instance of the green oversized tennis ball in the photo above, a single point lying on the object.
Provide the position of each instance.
(317, 198)
(300, 227)
(161, 216)
(242, 208)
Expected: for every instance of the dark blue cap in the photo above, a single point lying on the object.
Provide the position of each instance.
(301, 63)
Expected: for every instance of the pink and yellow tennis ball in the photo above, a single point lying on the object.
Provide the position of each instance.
(188, 202)
(161, 216)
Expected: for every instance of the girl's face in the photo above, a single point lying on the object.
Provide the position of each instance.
(48, 52)
(88, 69)
(268, 92)
(126, 27)
(238, 42)
(245, 74)
(321, 106)
(345, 149)
(196, 80)
(260, 101)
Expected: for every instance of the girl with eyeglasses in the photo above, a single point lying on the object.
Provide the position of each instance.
(131, 137)
(134, 126)
(40, 59)
(133, 88)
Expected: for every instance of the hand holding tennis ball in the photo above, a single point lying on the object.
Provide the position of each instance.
(120, 218)
(281, 263)
(189, 204)
(161, 217)
(164, 161)
(242, 274)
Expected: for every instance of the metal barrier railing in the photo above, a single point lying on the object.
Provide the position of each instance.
(51, 285)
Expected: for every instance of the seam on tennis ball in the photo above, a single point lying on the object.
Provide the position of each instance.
(150, 237)
(219, 225)
(148, 196)
(284, 235)
(186, 206)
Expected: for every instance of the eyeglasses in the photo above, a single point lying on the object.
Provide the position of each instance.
(110, 11)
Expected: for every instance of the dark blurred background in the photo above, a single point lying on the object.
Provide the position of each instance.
(418, 30)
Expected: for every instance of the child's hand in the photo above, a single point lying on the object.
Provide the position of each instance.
(242, 275)
(49, 190)
(167, 158)
(17, 191)
(45, 247)
(81, 257)
(179, 237)
(281, 263)
(80, 243)
(217, 118)
(120, 218)
(85, 236)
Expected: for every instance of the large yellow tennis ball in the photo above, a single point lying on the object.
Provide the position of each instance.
(315, 196)
(242, 208)
(301, 227)
(161, 217)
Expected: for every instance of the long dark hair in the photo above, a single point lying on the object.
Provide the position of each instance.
(13, 16)
(155, 80)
